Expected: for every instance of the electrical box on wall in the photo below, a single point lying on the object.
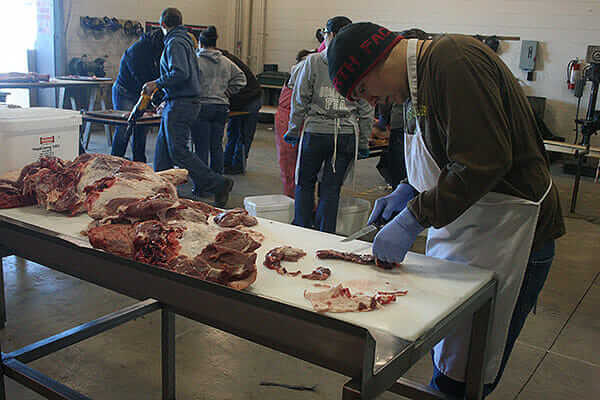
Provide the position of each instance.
(528, 55)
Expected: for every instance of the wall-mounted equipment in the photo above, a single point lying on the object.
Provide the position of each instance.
(528, 57)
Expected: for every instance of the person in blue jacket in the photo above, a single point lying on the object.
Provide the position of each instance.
(139, 64)
(180, 80)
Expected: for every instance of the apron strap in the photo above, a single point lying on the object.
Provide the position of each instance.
(411, 64)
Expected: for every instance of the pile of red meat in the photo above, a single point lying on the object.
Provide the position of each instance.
(137, 214)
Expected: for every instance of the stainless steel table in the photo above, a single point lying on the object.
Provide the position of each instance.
(359, 345)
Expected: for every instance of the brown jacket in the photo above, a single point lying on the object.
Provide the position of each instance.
(479, 127)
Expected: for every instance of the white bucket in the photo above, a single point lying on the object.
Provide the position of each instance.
(352, 215)
(276, 207)
(26, 134)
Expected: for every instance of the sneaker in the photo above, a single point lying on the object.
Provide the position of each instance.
(222, 194)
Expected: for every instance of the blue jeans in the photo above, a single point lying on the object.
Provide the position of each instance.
(240, 134)
(317, 151)
(536, 273)
(124, 100)
(207, 134)
(172, 145)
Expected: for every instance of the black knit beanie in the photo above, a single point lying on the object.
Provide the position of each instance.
(209, 36)
(355, 51)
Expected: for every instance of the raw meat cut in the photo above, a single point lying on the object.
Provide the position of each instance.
(11, 195)
(319, 274)
(184, 247)
(237, 240)
(339, 299)
(285, 253)
(235, 217)
(365, 259)
(96, 183)
(117, 239)
(138, 215)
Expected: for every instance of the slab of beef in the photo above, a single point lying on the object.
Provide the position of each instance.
(96, 183)
(195, 249)
(11, 195)
(117, 239)
(319, 274)
(365, 259)
(339, 299)
(235, 217)
(131, 180)
(275, 256)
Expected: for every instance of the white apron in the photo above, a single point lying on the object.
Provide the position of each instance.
(496, 234)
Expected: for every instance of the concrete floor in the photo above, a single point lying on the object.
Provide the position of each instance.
(557, 356)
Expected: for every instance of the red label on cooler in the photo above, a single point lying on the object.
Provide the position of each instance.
(46, 140)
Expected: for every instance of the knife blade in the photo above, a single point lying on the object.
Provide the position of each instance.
(361, 232)
(378, 224)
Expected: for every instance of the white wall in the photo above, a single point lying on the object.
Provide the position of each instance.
(564, 28)
(113, 44)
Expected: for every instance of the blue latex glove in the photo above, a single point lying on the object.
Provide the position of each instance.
(363, 153)
(394, 240)
(290, 139)
(385, 207)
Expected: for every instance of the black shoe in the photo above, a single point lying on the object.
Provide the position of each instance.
(222, 194)
(233, 170)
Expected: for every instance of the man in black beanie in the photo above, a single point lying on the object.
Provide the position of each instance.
(478, 175)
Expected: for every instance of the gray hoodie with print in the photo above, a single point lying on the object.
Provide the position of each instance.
(219, 77)
(316, 102)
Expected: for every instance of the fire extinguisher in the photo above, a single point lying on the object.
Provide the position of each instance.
(574, 69)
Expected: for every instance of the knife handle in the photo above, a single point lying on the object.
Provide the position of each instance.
(380, 222)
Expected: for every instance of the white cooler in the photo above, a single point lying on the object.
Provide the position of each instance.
(352, 215)
(26, 134)
(273, 206)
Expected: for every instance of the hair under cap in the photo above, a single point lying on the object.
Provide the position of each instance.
(336, 23)
(355, 51)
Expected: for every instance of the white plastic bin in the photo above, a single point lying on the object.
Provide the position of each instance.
(352, 215)
(26, 134)
(276, 207)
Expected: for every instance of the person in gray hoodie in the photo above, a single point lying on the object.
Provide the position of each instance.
(219, 79)
(336, 132)
(179, 79)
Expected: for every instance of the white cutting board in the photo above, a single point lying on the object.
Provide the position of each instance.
(435, 287)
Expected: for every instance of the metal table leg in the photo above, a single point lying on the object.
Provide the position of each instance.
(2, 387)
(61, 97)
(2, 297)
(168, 354)
(3, 253)
(481, 327)
(107, 131)
(351, 390)
(88, 125)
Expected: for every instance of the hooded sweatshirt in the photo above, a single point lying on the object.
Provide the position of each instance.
(219, 77)
(179, 74)
(316, 103)
(140, 64)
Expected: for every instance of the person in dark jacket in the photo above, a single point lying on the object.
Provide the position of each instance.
(139, 64)
(179, 79)
(241, 129)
